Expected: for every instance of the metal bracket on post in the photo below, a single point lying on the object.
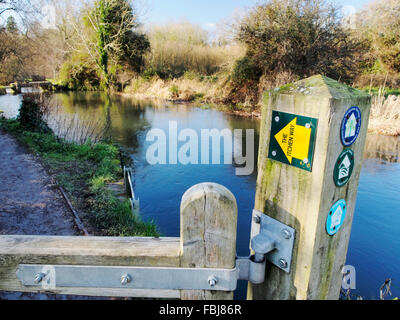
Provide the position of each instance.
(275, 241)
(70, 276)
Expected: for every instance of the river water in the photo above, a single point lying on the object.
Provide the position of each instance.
(375, 241)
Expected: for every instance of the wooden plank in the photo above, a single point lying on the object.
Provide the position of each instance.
(78, 222)
(208, 234)
(302, 199)
(94, 251)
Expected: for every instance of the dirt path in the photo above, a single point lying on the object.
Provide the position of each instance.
(30, 204)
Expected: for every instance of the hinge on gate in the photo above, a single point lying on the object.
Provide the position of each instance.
(273, 243)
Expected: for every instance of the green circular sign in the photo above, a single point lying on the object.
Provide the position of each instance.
(344, 168)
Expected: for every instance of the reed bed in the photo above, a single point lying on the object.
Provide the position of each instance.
(385, 114)
(77, 128)
(74, 128)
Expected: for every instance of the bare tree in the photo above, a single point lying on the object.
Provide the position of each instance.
(13, 5)
(25, 10)
(379, 24)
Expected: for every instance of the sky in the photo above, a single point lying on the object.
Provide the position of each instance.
(207, 13)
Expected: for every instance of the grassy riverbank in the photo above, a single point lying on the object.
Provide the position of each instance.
(217, 91)
(84, 172)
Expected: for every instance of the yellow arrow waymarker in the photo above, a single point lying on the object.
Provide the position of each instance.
(294, 141)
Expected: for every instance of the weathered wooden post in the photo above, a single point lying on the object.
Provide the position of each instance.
(208, 234)
(311, 152)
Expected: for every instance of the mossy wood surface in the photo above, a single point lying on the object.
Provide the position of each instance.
(302, 199)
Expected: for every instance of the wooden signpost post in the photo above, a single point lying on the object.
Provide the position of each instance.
(305, 129)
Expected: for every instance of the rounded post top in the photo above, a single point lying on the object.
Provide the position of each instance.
(208, 188)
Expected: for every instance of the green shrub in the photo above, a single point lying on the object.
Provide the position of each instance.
(78, 74)
(174, 90)
(192, 75)
(10, 125)
(300, 37)
(149, 73)
(31, 114)
(245, 69)
(199, 96)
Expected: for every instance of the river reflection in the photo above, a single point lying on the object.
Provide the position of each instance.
(161, 187)
(384, 148)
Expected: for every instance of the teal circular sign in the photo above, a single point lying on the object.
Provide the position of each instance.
(344, 168)
(336, 217)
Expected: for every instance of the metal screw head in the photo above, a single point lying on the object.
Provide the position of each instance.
(277, 119)
(39, 277)
(283, 263)
(125, 279)
(212, 281)
(257, 219)
(308, 125)
(286, 234)
(274, 153)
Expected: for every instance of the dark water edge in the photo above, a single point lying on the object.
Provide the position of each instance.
(374, 248)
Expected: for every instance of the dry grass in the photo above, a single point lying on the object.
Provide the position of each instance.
(177, 48)
(178, 89)
(174, 58)
(385, 115)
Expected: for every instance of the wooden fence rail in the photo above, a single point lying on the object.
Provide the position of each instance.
(208, 240)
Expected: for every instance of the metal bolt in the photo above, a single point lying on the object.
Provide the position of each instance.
(274, 153)
(277, 119)
(212, 281)
(39, 277)
(125, 279)
(257, 219)
(308, 125)
(286, 234)
(283, 263)
(305, 161)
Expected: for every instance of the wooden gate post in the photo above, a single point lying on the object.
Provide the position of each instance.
(208, 234)
(302, 192)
